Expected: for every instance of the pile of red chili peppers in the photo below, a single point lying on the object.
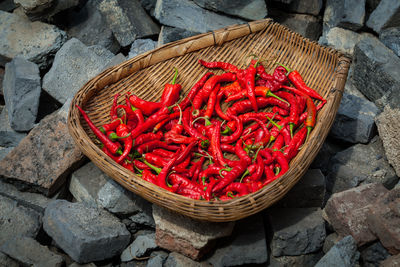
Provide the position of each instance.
(196, 148)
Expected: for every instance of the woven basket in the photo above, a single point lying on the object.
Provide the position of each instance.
(323, 69)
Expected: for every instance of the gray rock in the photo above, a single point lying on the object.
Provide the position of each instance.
(8, 137)
(323, 158)
(74, 64)
(102, 52)
(34, 6)
(249, 10)
(171, 34)
(34, 41)
(22, 88)
(348, 14)
(116, 60)
(306, 25)
(330, 241)
(140, 46)
(378, 72)
(178, 260)
(349, 87)
(141, 246)
(28, 251)
(16, 220)
(312, 7)
(1, 80)
(144, 217)
(149, 5)
(341, 39)
(47, 10)
(88, 235)
(248, 236)
(91, 185)
(7, 5)
(83, 265)
(358, 165)
(296, 231)
(302, 260)
(308, 192)
(391, 38)
(180, 14)
(157, 259)
(386, 15)
(4, 151)
(343, 254)
(354, 120)
(128, 20)
(90, 27)
(374, 254)
(7, 261)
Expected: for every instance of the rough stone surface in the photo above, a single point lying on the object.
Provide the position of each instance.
(28, 251)
(7, 261)
(140, 46)
(140, 247)
(74, 64)
(383, 220)
(91, 185)
(192, 238)
(16, 220)
(128, 20)
(347, 211)
(378, 72)
(349, 14)
(248, 236)
(144, 217)
(330, 241)
(43, 163)
(306, 25)
(302, 260)
(341, 39)
(178, 260)
(21, 87)
(8, 136)
(4, 151)
(45, 10)
(386, 15)
(7, 5)
(391, 38)
(312, 7)
(392, 261)
(343, 254)
(354, 120)
(388, 128)
(34, 41)
(116, 60)
(34, 6)
(157, 259)
(308, 192)
(249, 10)
(360, 164)
(296, 231)
(171, 34)
(180, 14)
(89, 234)
(374, 254)
(328, 150)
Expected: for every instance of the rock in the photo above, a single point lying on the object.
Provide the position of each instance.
(354, 120)
(16, 220)
(341, 39)
(328, 150)
(171, 34)
(102, 52)
(4, 151)
(34, 6)
(248, 236)
(149, 5)
(385, 15)
(391, 38)
(296, 231)
(142, 246)
(312, 7)
(306, 25)
(7, 5)
(140, 46)
(302, 260)
(116, 60)
(157, 259)
(28, 251)
(392, 261)
(182, 234)
(30, 200)
(249, 10)
(144, 217)
(1, 81)
(45, 10)
(378, 72)
(74, 64)
(91, 185)
(7, 261)
(374, 254)
(88, 235)
(83, 265)
(180, 14)
(22, 88)
(343, 254)
(178, 260)
(348, 14)
(127, 20)
(43, 163)
(360, 164)
(383, 220)
(387, 123)
(8, 137)
(349, 87)
(34, 41)
(330, 241)
(347, 211)
(308, 192)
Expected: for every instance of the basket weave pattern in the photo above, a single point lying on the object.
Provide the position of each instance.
(323, 69)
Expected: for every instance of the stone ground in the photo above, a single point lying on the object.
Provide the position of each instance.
(58, 209)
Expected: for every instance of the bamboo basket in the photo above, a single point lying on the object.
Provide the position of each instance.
(323, 69)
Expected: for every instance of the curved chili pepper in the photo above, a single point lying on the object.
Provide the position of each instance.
(280, 111)
(250, 87)
(187, 126)
(147, 107)
(256, 176)
(140, 165)
(279, 141)
(137, 113)
(147, 137)
(160, 115)
(150, 146)
(113, 112)
(217, 107)
(294, 145)
(240, 188)
(215, 145)
(279, 75)
(266, 154)
(148, 176)
(238, 131)
(211, 102)
(162, 176)
(123, 131)
(241, 153)
(227, 148)
(245, 105)
(231, 176)
(294, 109)
(110, 126)
(282, 161)
(171, 92)
(219, 65)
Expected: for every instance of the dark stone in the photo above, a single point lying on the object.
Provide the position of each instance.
(323, 158)
(178, 260)
(157, 259)
(306, 260)
(312, 7)
(140, 46)
(348, 14)
(171, 34)
(330, 241)
(7, 5)
(374, 254)
(140, 247)
(8, 137)
(343, 254)
(391, 38)
(392, 261)
(386, 15)
(45, 10)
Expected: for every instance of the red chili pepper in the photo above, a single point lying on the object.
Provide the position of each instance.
(245, 105)
(160, 115)
(123, 131)
(282, 161)
(147, 137)
(294, 111)
(147, 107)
(211, 102)
(280, 75)
(110, 126)
(108, 153)
(294, 145)
(250, 87)
(219, 65)
(171, 92)
(187, 125)
(163, 153)
(215, 145)
(140, 165)
(148, 176)
(217, 107)
(256, 176)
(278, 144)
(239, 188)
(266, 154)
(150, 146)
(162, 176)
(227, 148)
(113, 111)
(238, 131)
(137, 113)
(280, 111)
(231, 176)
(241, 153)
